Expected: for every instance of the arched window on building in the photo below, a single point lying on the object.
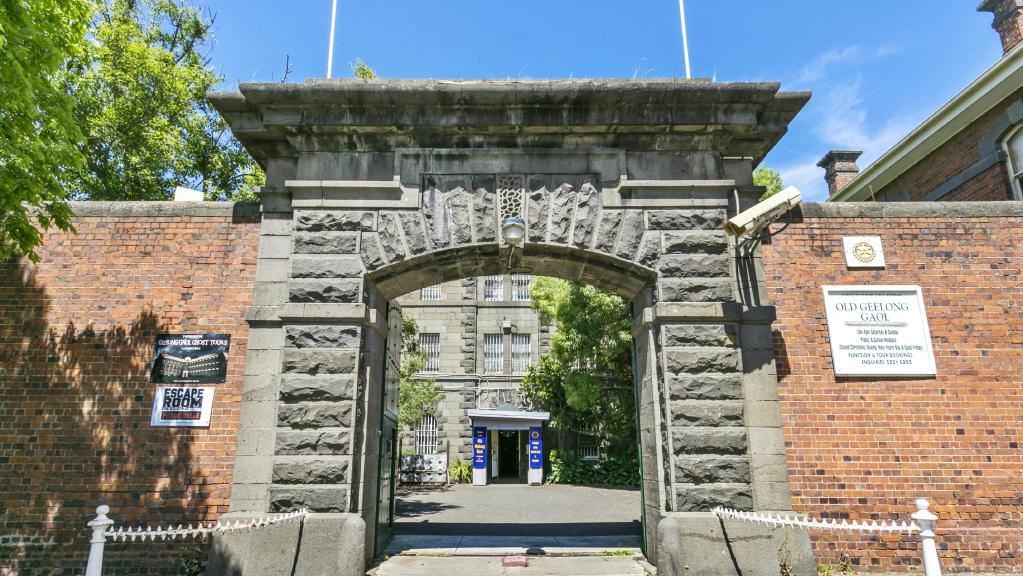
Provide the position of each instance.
(1014, 148)
(426, 435)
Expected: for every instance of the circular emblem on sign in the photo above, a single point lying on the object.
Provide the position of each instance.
(534, 435)
(864, 252)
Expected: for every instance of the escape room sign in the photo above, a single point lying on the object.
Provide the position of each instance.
(182, 406)
(878, 331)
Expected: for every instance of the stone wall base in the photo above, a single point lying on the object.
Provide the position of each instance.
(698, 544)
(323, 545)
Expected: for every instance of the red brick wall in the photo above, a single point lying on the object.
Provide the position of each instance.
(866, 448)
(76, 334)
(954, 156)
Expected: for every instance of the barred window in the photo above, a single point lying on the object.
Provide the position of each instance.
(493, 354)
(430, 344)
(1014, 147)
(520, 287)
(426, 435)
(493, 288)
(431, 293)
(520, 353)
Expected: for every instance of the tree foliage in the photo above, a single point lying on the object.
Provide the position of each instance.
(38, 137)
(416, 396)
(769, 179)
(140, 99)
(586, 380)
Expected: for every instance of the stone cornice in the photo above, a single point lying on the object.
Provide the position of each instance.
(735, 119)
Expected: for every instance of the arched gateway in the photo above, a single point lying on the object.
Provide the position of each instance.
(378, 188)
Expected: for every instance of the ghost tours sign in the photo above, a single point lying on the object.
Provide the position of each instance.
(182, 406)
(536, 448)
(190, 358)
(479, 448)
(878, 331)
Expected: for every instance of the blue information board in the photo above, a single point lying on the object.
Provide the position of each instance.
(536, 448)
(479, 447)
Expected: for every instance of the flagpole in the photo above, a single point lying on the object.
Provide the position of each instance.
(330, 49)
(685, 39)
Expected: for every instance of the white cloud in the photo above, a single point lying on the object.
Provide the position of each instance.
(840, 117)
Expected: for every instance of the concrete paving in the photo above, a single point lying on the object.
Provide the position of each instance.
(491, 566)
(518, 510)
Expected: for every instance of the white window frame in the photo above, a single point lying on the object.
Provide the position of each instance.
(1013, 164)
(429, 343)
(493, 293)
(427, 435)
(520, 287)
(521, 353)
(493, 353)
(432, 293)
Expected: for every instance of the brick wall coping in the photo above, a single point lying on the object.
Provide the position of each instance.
(1007, 209)
(238, 211)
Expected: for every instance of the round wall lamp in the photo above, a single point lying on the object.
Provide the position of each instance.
(513, 230)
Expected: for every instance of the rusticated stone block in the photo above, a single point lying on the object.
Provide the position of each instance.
(326, 242)
(696, 289)
(311, 499)
(631, 234)
(459, 206)
(318, 471)
(706, 413)
(484, 221)
(372, 255)
(330, 291)
(587, 210)
(390, 237)
(317, 221)
(326, 267)
(536, 208)
(607, 231)
(315, 415)
(718, 440)
(562, 201)
(694, 265)
(704, 386)
(313, 388)
(693, 242)
(649, 249)
(711, 469)
(704, 497)
(701, 335)
(685, 219)
(699, 360)
(330, 336)
(435, 216)
(415, 231)
(300, 442)
(320, 361)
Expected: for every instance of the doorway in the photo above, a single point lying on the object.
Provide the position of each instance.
(508, 454)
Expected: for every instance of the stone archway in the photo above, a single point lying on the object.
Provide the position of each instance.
(379, 188)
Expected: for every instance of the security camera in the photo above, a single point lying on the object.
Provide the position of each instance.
(764, 213)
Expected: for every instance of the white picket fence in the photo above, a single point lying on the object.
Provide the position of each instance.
(923, 523)
(102, 528)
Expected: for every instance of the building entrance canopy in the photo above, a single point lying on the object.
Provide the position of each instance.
(508, 419)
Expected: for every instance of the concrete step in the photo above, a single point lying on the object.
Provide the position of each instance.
(500, 546)
(420, 565)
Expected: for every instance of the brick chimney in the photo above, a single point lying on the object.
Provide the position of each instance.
(839, 168)
(1008, 20)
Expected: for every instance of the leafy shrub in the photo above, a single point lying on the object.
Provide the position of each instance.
(460, 471)
(622, 471)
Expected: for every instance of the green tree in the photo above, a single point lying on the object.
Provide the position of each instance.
(416, 396)
(586, 380)
(362, 70)
(769, 179)
(140, 100)
(38, 136)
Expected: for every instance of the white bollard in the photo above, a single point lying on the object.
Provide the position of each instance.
(925, 518)
(99, 527)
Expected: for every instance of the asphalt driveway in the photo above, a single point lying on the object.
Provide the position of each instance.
(518, 510)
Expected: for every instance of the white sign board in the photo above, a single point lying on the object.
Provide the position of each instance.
(878, 331)
(182, 406)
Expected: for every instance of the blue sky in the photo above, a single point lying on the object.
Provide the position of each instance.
(876, 67)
